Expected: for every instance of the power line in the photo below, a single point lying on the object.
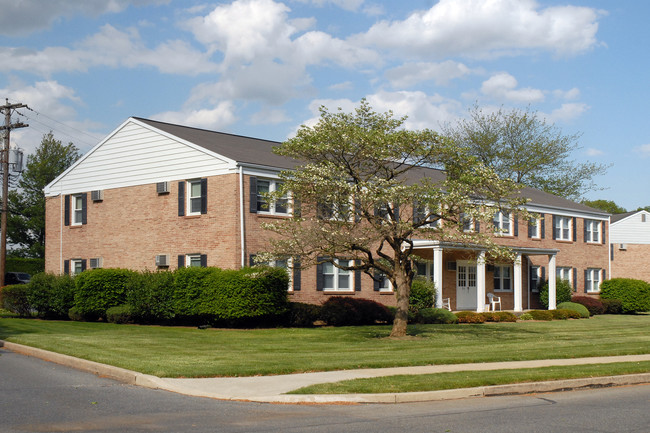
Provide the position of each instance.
(37, 118)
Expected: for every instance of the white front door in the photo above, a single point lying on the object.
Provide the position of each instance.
(465, 286)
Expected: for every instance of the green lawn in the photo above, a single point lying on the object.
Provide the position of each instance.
(190, 352)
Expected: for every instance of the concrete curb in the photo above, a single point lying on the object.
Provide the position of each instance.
(154, 382)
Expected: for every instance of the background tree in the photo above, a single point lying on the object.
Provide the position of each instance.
(26, 220)
(605, 205)
(521, 146)
(359, 178)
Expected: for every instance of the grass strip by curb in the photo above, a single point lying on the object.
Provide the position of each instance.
(469, 379)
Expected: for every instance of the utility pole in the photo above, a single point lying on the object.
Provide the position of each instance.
(8, 126)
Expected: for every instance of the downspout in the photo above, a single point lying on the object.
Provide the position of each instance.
(242, 230)
(61, 222)
(609, 248)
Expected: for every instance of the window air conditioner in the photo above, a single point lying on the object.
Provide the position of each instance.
(162, 187)
(97, 195)
(622, 246)
(162, 260)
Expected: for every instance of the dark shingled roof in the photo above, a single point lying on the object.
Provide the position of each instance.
(257, 151)
(619, 216)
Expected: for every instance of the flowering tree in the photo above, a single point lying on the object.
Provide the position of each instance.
(364, 189)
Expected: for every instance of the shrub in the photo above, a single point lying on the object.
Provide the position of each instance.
(15, 299)
(190, 285)
(526, 316)
(575, 307)
(505, 316)
(120, 314)
(74, 314)
(633, 294)
(469, 317)
(594, 305)
(302, 315)
(423, 292)
(572, 314)
(151, 296)
(559, 314)
(612, 306)
(345, 311)
(51, 295)
(435, 315)
(97, 290)
(563, 292)
(28, 265)
(541, 314)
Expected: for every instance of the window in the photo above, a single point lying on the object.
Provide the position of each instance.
(562, 228)
(382, 283)
(468, 223)
(565, 274)
(535, 228)
(193, 197)
(260, 188)
(592, 280)
(192, 260)
(336, 279)
(74, 266)
(502, 278)
(592, 231)
(75, 210)
(420, 213)
(335, 211)
(535, 274)
(503, 223)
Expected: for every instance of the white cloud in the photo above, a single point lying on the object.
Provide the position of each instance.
(346, 85)
(410, 74)
(487, 28)
(570, 94)
(503, 86)
(350, 5)
(26, 16)
(594, 152)
(268, 116)
(216, 118)
(567, 112)
(644, 150)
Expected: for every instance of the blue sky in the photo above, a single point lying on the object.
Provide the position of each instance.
(262, 68)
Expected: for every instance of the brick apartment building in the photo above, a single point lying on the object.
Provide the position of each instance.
(630, 245)
(154, 195)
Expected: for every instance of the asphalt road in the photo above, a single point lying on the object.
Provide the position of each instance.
(37, 396)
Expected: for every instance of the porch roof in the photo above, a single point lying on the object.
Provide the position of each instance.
(430, 243)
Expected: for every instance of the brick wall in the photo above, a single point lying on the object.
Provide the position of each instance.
(633, 262)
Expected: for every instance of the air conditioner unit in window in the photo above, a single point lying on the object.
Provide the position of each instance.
(162, 260)
(97, 195)
(96, 263)
(162, 187)
(622, 246)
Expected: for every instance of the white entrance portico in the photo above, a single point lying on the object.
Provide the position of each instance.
(470, 274)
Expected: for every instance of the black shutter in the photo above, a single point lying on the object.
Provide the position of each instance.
(604, 274)
(611, 252)
(296, 275)
(516, 226)
(416, 213)
(586, 273)
(543, 273)
(66, 217)
(575, 229)
(251, 260)
(477, 227)
(357, 277)
(555, 230)
(376, 282)
(253, 194)
(204, 260)
(66, 267)
(396, 212)
(602, 234)
(181, 261)
(543, 228)
(181, 198)
(319, 274)
(204, 196)
(84, 208)
(357, 210)
(575, 279)
(584, 229)
(83, 265)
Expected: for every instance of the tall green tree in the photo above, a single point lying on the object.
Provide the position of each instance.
(360, 177)
(26, 220)
(521, 146)
(605, 205)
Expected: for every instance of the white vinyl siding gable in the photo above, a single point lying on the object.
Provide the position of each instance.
(631, 230)
(136, 155)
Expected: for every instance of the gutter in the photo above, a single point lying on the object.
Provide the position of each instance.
(242, 229)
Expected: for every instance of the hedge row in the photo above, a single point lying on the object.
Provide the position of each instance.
(188, 295)
(634, 295)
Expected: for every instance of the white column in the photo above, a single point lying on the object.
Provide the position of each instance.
(551, 283)
(437, 274)
(518, 283)
(480, 282)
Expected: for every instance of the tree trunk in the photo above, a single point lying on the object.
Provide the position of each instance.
(403, 289)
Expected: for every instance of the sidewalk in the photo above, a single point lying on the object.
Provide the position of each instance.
(272, 389)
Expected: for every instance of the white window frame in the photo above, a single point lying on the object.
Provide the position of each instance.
(73, 266)
(503, 223)
(565, 273)
(335, 214)
(592, 230)
(288, 266)
(190, 197)
(593, 277)
(385, 286)
(537, 224)
(563, 225)
(468, 223)
(189, 258)
(77, 209)
(423, 212)
(272, 205)
(501, 278)
(336, 275)
(535, 276)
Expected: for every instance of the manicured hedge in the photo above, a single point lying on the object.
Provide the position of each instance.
(563, 292)
(435, 315)
(423, 292)
(97, 290)
(14, 298)
(346, 311)
(28, 265)
(151, 296)
(594, 305)
(470, 317)
(633, 294)
(51, 295)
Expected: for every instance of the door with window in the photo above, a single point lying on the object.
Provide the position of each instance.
(465, 286)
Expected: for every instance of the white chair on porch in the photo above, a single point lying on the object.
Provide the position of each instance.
(494, 300)
(446, 304)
